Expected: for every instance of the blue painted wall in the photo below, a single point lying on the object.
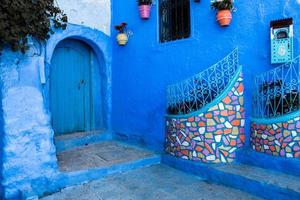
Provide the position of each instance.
(141, 72)
(1, 143)
(28, 148)
(143, 68)
(27, 139)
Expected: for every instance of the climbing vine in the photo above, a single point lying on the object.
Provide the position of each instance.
(21, 19)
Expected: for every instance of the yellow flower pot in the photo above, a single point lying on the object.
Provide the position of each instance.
(122, 39)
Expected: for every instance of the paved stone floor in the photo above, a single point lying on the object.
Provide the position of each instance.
(152, 183)
(99, 155)
(267, 176)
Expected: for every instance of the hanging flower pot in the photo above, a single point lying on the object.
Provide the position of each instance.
(224, 9)
(224, 17)
(122, 37)
(145, 8)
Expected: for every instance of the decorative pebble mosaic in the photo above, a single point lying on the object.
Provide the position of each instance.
(277, 139)
(213, 136)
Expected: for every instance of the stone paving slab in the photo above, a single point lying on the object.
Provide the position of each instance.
(158, 182)
(99, 155)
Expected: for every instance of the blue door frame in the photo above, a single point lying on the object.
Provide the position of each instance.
(70, 87)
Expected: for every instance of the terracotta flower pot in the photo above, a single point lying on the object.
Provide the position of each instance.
(224, 17)
(122, 39)
(145, 11)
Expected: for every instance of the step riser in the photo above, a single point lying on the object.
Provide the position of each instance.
(284, 165)
(64, 180)
(63, 145)
(212, 175)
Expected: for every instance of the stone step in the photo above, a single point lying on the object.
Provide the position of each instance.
(286, 165)
(103, 154)
(158, 182)
(95, 161)
(73, 140)
(264, 183)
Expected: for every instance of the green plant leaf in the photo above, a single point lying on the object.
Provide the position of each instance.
(20, 19)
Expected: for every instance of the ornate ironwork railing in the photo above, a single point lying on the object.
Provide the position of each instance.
(201, 89)
(277, 92)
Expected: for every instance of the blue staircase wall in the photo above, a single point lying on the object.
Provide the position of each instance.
(144, 67)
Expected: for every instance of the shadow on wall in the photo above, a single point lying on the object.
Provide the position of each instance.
(1, 143)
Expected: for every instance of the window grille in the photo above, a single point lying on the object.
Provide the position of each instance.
(174, 19)
(277, 92)
(201, 89)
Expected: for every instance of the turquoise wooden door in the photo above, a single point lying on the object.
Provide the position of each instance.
(70, 100)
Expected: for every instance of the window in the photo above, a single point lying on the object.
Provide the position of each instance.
(174, 20)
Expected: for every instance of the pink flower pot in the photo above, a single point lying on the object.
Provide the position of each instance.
(145, 11)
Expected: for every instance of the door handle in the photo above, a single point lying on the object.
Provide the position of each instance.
(81, 82)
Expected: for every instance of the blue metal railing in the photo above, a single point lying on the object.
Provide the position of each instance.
(201, 89)
(277, 91)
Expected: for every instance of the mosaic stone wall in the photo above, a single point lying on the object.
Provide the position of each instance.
(213, 136)
(277, 139)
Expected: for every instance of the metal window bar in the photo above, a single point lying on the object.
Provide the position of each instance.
(192, 94)
(174, 20)
(277, 92)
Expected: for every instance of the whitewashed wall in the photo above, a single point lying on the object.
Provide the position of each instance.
(91, 13)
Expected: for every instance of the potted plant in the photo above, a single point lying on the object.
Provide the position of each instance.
(122, 37)
(145, 7)
(224, 8)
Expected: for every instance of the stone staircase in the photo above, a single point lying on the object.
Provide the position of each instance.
(262, 182)
(84, 157)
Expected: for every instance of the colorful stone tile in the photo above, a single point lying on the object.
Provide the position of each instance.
(277, 139)
(211, 137)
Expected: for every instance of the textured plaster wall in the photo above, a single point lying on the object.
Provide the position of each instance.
(1, 144)
(28, 148)
(144, 67)
(28, 152)
(28, 161)
(91, 13)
